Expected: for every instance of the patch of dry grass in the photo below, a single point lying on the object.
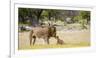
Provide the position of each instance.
(72, 39)
(39, 46)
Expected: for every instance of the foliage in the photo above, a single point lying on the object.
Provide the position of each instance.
(83, 18)
(33, 16)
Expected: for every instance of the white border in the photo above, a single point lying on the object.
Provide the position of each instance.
(14, 29)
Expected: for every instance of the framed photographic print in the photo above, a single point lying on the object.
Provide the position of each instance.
(38, 29)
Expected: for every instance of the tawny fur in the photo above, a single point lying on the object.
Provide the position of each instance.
(59, 41)
(42, 32)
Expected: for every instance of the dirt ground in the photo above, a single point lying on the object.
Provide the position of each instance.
(76, 38)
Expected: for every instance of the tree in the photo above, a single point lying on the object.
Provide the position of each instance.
(31, 14)
(86, 15)
(83, 18)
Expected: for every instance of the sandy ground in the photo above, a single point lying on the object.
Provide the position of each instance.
(73, 38)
